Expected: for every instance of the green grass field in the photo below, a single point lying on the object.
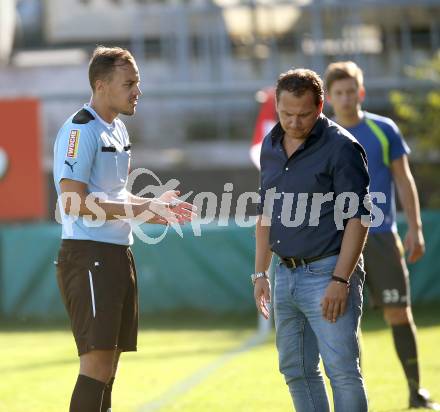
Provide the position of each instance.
(194, 364)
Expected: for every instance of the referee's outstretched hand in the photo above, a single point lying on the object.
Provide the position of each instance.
(167, 209)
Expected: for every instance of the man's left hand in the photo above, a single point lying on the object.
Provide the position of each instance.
(334, 301)
(414, 244)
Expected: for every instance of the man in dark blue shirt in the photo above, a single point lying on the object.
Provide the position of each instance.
(314, 194)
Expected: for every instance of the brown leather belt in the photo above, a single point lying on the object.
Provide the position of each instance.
(293, 262)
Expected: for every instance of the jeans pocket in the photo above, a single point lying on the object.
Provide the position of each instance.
(279, 275)
(324, 266)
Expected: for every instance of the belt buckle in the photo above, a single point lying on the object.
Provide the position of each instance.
(292, 262)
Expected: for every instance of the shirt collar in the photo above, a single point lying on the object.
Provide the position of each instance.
(106, 124)
(277, 132)
(317, 130)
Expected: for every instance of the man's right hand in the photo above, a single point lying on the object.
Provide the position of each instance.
(414, 243)
(262, 296)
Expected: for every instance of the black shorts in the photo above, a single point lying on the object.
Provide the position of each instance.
(98, 285)
(387, 276)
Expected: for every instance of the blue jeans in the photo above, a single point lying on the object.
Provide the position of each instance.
(302, 335)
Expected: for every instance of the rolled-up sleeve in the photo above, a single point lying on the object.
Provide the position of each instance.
(351, 175)
(263, 177)
(260, 205)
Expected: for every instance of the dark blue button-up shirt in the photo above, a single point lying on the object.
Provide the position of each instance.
(306, 220)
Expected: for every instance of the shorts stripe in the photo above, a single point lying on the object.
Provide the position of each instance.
(92, 293)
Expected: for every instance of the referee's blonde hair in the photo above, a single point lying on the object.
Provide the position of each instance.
(104, 61)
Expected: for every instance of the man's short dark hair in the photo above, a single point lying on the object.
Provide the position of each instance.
(104, 61)
(298, 82)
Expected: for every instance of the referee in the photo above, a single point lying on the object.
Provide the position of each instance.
(95, 268)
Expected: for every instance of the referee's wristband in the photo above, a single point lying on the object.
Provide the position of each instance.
(340, 280)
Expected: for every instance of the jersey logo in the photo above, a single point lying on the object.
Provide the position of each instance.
(72, 147)
(70, 165)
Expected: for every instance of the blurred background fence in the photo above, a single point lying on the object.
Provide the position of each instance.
(207, 273)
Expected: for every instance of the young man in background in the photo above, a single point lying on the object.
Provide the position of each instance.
(387, 274)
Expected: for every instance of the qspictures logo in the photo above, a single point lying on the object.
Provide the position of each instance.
(277, 208)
